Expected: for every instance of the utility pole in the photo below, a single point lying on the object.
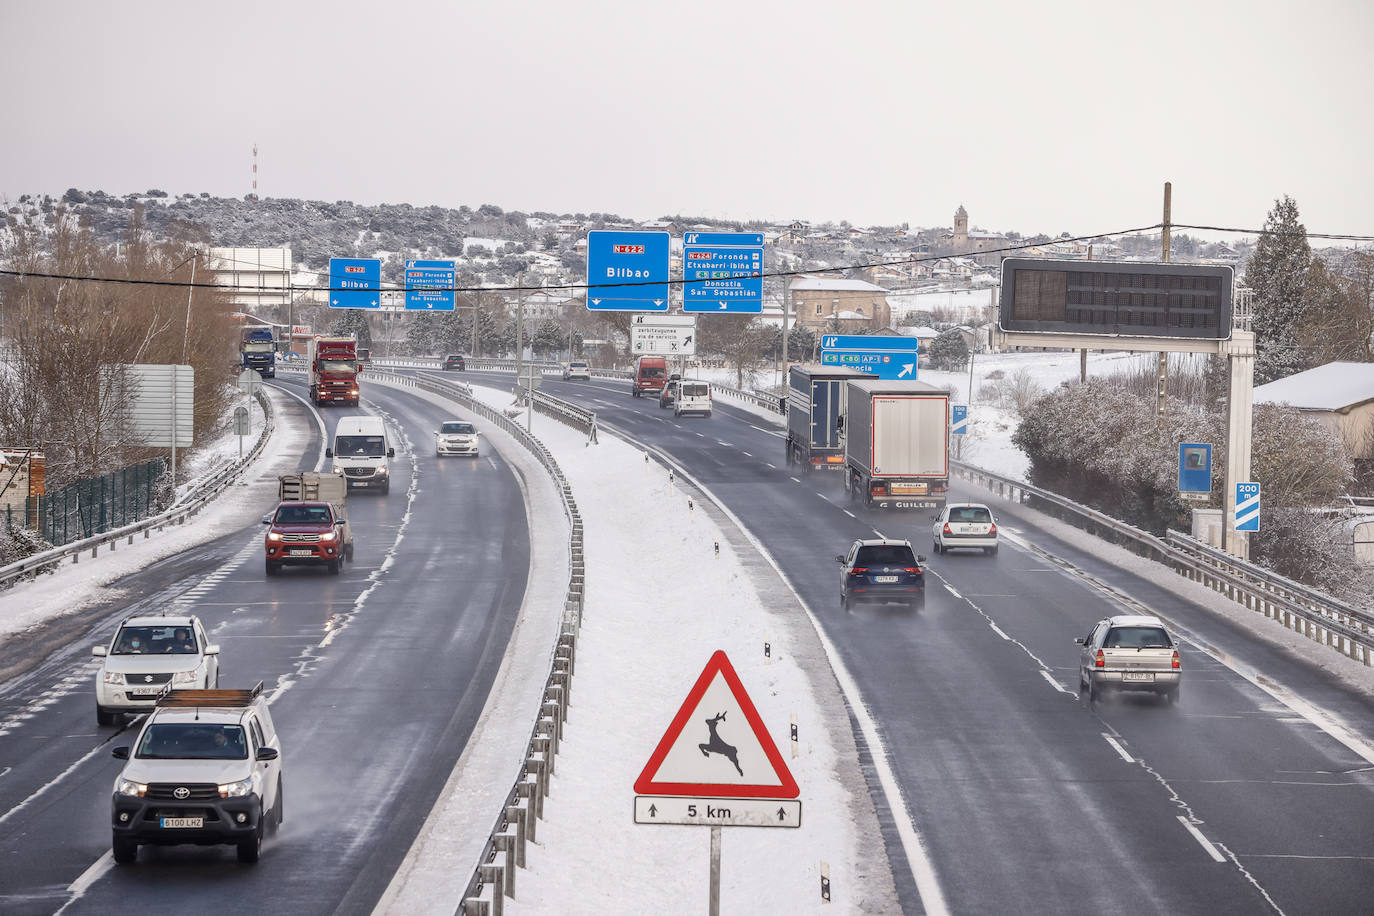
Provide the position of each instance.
(1083, 353)
(519, 324)
(1162, 358)
(190, 291)
(784, 330)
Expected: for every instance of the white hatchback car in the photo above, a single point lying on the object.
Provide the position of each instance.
(965, 525)
(146, 656)
(577, 370)
(456, 437)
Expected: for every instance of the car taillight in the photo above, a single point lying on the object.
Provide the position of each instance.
(858, 570)
(1176, 659)
(947, 531)
(1101, 660)
(911, 569)
(992, 529)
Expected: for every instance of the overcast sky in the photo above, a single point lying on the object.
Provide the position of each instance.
(1053, 117)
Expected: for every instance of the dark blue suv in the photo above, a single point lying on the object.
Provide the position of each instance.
(881, 570)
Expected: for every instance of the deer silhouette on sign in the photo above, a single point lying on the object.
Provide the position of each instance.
(717, 746)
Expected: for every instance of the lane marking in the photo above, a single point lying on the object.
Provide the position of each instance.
(78, 888)
(1116, 745)
(795, 480)
(848, 513)
(1054, 683)
(884, 537)
(774, 467)
(949, 588)
(746, 454)
(1202, 840)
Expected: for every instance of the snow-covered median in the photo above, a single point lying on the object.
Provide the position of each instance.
(659, 602)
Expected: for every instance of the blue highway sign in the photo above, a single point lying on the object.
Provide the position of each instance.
(355, 283)
(722, 272)
(429, 286)
(1194, 467)
(1247, 506)
(959, 419)
(885, 357)
(639, 259)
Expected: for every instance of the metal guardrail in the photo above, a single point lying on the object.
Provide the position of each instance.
(186, 506)
(567, 412)
(504, 851)
(1317, 616)
(762, 400)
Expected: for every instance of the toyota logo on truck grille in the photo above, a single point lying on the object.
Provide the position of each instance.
(181, 792)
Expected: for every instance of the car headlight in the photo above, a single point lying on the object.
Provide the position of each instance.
(338, 469)
(184, 677)
(236, 789)
(114, 677)
(327, 536)
(382, 470)
(273, 536)
(130, 788)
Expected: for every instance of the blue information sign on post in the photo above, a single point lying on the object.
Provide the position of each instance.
(885, 357)
(1194, 468)
(355, 283)
(722, 272)
(959, 419)
(639, 260)
(429, 286)
(1247, 506)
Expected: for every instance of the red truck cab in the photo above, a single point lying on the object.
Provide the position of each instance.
(651, 374)
(334, 370)
(308, 533)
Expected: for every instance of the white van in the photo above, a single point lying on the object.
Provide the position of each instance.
(360, 452)
(692, 397)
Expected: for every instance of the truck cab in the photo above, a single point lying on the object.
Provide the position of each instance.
(651, 374)
(333, 370)
(361, 451)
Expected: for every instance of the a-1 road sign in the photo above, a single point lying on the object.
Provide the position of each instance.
(718, 812)
(429, 285)
(639, 260)
(354, 283)
(722, 272)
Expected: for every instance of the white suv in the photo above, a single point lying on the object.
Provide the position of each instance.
(146, 656)
(577, 369)
(206, 768)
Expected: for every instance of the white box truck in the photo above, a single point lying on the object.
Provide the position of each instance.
(896, 444)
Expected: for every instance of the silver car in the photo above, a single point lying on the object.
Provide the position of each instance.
(1129, 653)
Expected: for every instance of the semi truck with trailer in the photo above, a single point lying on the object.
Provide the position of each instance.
(258, 350)
(333, 370)
(896, 444)
(815, 416)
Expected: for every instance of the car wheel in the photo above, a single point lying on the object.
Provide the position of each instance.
(250, 849)
(348, 552)
(278, 810)
(386, 488)
(916, 604)
(844, 601)
(333, 567)
(935, 546)
(271, 568)
(1171, 696)
(1094, 695)
(992, 551)
(104, 717)
(124, 850)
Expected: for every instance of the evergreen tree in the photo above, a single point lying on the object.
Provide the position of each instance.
(1277, 272)
(353, 321)
(949, 351)
(420, 336)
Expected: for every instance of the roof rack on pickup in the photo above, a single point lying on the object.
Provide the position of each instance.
(189, 698)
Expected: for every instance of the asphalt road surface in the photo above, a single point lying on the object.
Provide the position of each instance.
(381, 673)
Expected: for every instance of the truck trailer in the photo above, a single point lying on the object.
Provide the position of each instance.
(258, 350)
(896, 444)
(333, 370)
(815, 417)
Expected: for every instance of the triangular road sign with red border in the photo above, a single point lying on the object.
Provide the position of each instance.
(717, 746)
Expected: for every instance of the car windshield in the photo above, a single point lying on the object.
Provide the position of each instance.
(171, 639)
(885, 555)
(694, 389)
(258, 347)
(970, 514)
(651, 372)
(458, 429)
(337, 365)
(303, 515)
(578, 365)
(192, 741)
(1137, 638)
(360, 446)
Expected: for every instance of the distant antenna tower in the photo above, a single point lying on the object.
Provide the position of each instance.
(254, 195)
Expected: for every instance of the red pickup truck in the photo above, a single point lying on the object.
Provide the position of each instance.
(311, 533)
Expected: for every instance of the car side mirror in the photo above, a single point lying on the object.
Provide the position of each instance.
(920, 558)
(391, 453)
(267, 519)
(267, 753)
(119, 753)
(329, 453)
(212, 649)
(1078, 641)
(99, 651)
(339, 522)
(839, 559)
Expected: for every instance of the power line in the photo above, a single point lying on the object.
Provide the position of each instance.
(1338, 236)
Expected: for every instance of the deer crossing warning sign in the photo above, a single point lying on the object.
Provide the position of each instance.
(716, 764)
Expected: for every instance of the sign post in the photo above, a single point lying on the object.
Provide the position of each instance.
(722, 272)
(884, 357)
(717, 766)
(241, 426)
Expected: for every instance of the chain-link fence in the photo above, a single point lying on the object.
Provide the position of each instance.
(90, 507)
